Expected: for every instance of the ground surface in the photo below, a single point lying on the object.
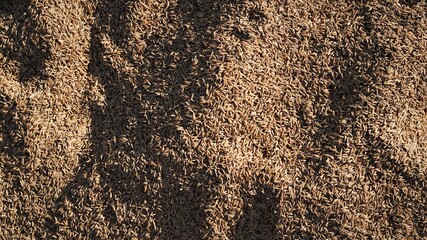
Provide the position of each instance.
(213, 119)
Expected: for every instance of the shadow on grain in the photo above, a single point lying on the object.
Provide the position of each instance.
(24, 38)
(260, 214)
(12, 142)
(357, 67)
(137, 146)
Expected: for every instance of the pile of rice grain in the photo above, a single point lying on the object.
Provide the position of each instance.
(231, 119)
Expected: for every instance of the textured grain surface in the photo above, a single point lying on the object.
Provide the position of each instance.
(234, 119)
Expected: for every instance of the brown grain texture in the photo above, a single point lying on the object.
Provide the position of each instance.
(230, 119)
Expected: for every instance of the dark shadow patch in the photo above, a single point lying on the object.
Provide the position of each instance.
(410, 3)
(260, 215)
(13, 129)
(12, 144)
(357, 64)
(13, 160)
(25, 40)
(241, 34)
(301, 234)
(257, 15)
(381, 164)
(137, 147)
